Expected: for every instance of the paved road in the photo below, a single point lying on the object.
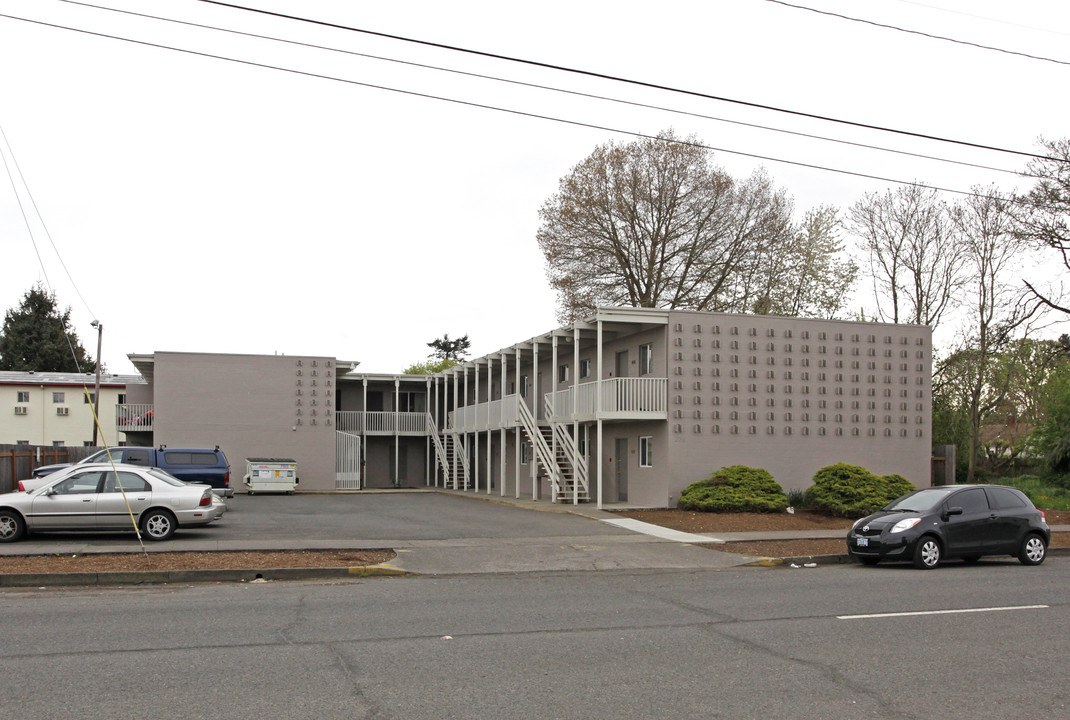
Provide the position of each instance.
(737, 643)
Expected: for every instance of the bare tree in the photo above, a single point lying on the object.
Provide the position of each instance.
(1043, 215)
(808, 274)
(914, 253)
(997, 307)
(653, 223)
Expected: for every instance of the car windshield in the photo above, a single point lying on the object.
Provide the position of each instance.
(166, 477)
(101, 456)
(919, 500)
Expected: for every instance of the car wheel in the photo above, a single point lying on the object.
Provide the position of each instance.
(12, 526)
(1033, 550)
(868, 560)
(927, 553)
(158, 524)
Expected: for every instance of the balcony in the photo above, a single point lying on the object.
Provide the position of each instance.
(356, 422)
(134, 418)
(622, 399)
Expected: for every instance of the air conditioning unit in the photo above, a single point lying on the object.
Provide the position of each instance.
(63, 411)
(21, 409)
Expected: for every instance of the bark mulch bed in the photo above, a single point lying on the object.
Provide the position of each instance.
(166, 561)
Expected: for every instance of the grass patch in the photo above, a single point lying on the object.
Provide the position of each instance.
(1043, 493)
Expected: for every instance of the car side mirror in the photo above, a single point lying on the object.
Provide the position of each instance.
(951, 511)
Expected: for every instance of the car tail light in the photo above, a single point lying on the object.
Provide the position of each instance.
(22, 488)
(206, 500)
(226, 479)
(1043, 517)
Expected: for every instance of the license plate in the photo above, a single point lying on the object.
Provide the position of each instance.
(862, 542)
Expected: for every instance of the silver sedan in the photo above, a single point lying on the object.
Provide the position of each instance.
(98, 497)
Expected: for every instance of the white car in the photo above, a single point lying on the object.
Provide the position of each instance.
(96, 497)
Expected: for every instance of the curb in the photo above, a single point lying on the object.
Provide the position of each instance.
(846, 559)
(150, 577)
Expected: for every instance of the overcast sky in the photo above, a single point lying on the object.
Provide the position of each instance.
(206, 205)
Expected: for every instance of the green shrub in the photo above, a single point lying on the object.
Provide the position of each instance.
(853, 491)
(735, 489)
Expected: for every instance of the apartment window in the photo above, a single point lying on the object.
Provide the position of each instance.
(585, 368)
(57, 397)
(58, 443)
(524, 453)
(562, 373)
(411, 402)
(646, 451)
(89, 398)
(23, 396)
(525, 382)
(646, 359)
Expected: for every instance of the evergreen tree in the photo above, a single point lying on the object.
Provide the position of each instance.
(35, 337)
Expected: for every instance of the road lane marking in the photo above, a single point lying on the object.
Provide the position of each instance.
(941, 612)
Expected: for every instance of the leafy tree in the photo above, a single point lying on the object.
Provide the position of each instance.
(914, 253)
(1043, 217)
(37, 336)
(446, 349)
(653, 223)
(997, 308)
(1052, 436)
(430, 367)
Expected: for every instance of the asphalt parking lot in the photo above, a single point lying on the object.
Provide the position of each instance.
(432, 532)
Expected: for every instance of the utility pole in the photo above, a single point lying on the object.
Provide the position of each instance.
(96, 393)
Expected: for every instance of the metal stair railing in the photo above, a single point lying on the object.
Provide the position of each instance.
(440, 450)
(567, 444)
(460, 449)
(543, 453)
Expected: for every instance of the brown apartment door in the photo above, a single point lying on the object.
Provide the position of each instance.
(621, 461)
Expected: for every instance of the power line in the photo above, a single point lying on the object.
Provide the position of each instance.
(638, 83)
(467, 103)
(550, 88)
(918, 32)
(981, 17)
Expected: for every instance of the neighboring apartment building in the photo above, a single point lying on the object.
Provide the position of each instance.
(44, 408)
(628, 406)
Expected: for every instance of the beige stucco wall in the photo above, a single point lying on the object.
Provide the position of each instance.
(871, 382)
(41, 425)
(251, 406)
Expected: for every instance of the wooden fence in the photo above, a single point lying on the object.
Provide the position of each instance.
(17, 462)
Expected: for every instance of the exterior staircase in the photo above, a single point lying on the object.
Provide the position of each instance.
(452, 456)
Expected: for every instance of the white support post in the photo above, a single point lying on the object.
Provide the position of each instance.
(475, 434)
(456, 414)
(427, 438)
(397, 436)
(554, 380)
(517, 431)
(362, 482)
(535, 415)
(501, 460)
(598, 413)
(575, 403)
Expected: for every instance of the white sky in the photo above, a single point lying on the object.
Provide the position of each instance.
(210, 206)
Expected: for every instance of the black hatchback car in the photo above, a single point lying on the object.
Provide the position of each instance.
(964, 521)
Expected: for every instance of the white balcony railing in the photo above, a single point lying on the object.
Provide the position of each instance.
(134, 418)
(622, 399)
(381, 423)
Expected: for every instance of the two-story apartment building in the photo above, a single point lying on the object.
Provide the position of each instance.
(47, 408)
(628, 405)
